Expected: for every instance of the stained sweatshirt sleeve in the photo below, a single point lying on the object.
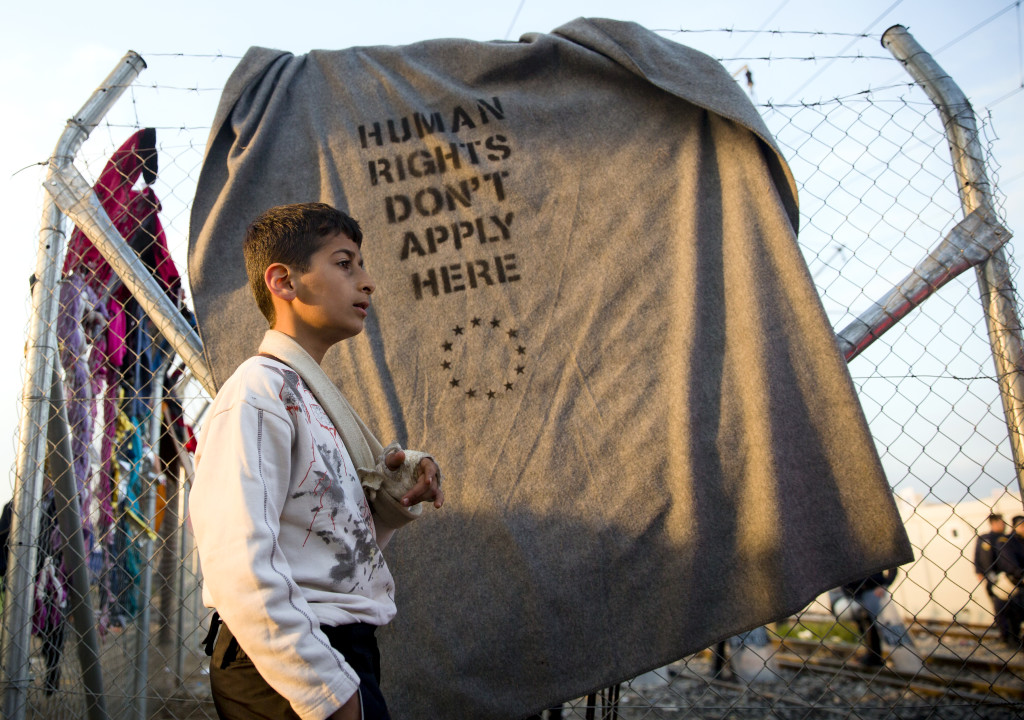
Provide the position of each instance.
(241, 484)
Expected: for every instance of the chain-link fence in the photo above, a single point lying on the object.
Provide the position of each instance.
(878, 192)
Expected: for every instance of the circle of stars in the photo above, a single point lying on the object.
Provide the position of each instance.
(496, 387)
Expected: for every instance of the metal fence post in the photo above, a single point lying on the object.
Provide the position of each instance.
(41, 356)
(70, 518)
(994, 282)
(41, 353)
(150, 478)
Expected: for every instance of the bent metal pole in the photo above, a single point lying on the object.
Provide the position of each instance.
(994, 283)
(41, 356)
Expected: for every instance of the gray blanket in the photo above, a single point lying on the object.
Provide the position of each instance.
(592, 308)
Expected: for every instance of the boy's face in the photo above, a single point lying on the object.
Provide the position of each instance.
(332, 297)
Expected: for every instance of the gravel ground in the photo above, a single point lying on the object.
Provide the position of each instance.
(684, 690)
(681, 690)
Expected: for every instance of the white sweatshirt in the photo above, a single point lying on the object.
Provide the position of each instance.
(285, 534)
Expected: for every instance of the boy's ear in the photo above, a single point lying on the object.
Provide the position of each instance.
(279, 281)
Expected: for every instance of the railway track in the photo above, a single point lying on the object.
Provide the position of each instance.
(919, 627)
(933, 684)
(972, 678)
(964, 674)
(950, 645)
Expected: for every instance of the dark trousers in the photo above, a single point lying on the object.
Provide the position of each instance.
(241, 693)
(872, 640)
(1014, 613)
(1004, 612)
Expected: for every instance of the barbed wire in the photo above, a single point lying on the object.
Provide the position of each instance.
(840, 99)
(156, 86)
(40, 163)
(129, 126)
(978, 27)
(766, 104)
(845, 98)
(850, 44)
(916, 376)
(763, 25)
(816, 33)
(815, 58)
(135, 106)
(858, 56)
(192, 55)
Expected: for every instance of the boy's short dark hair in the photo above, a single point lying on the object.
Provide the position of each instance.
(290, 234)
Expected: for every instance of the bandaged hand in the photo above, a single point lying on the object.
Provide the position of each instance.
(401, 480)
(425, 472)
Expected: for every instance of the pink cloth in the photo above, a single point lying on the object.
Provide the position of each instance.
(135, 215)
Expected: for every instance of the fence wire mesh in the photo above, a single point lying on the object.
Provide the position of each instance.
(877, 192)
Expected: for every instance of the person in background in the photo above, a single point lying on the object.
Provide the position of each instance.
(987, 553)
(1011, 562)
(868, 603)
(748, 656)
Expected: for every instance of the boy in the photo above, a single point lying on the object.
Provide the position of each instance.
(289, 543)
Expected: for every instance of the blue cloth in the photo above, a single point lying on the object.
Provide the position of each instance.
(756, 638)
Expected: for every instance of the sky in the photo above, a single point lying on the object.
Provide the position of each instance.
(53, 54)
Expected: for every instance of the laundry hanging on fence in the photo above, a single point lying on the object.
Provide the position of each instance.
(592, 308)
(79, 317)
(135, 215)
(50, 594)
(49, 616)
(110, 356)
